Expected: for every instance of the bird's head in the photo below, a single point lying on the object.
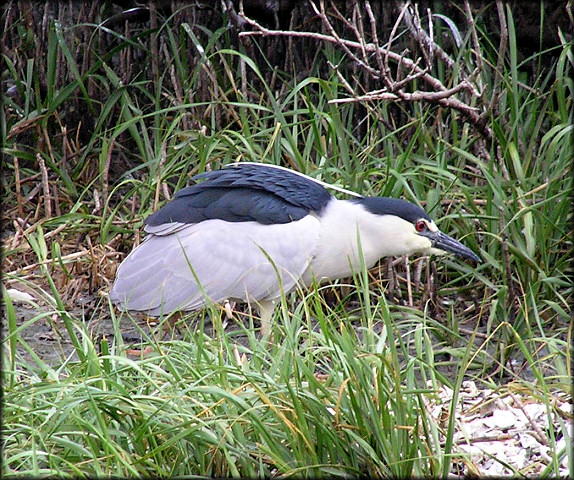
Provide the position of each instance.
(408, 229)
(439, 242)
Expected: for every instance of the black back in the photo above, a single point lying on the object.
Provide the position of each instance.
(244, 193)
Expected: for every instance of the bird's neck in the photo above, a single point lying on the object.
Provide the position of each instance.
(352, 236)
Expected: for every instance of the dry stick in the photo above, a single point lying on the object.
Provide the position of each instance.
(16, 237)
(415, 96)
(48, 261)
(342, 79)
(23, 125)
(425, 41)
(45, 186)
(473, 34)
(392, 85)
(391, 276)
(387, 69)
(533, 191)
(428, 283)
(436, 49)
(539, 434)
(485, 438)
(378, 56)
(19, 224)
(413, 24)
(57, 203)
(359, 32)
(408, 275)
(346, 45)
(97, 203)
(20, 210)
(106, 173)
(134, 202)
(37, 211)
(473, 332)
(21, 232)
(177, 88)
(419, 263)
(410, 77)
(336, 37)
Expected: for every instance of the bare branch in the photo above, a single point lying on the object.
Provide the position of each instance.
(378, 55)
(390, 42)
(433, 97)
(346, 45)
(360, 51)
(473, 34)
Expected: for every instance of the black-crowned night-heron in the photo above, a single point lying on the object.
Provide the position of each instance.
(250, 232)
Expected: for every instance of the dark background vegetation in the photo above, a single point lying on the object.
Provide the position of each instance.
(127, 39)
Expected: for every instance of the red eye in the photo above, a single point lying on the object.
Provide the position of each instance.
(420, 226)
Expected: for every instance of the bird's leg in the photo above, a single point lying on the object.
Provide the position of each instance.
(266, 308)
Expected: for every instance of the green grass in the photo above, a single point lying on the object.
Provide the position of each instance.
(342, 388)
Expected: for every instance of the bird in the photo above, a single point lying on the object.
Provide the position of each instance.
(251, 232)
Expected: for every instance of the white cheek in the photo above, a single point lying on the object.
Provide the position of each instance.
(418, 243)
(398, 237)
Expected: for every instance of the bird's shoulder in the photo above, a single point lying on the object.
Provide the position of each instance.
(243, 193)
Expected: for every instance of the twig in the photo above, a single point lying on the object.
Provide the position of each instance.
(97, 203)
(347, 45)
(408, 275)
(106, 172)
(473, 333)
(344, 44)
(20, 210)
(378, 55)
(414, 96)
(473, 34)
(426, 43)
(48, 261)
(45, 186)
(391, 276)
(419, 263)
(538, 433)
(390, 42)
(486, 438)
(165, 189)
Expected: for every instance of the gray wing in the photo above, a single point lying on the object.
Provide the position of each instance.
(183, 267)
